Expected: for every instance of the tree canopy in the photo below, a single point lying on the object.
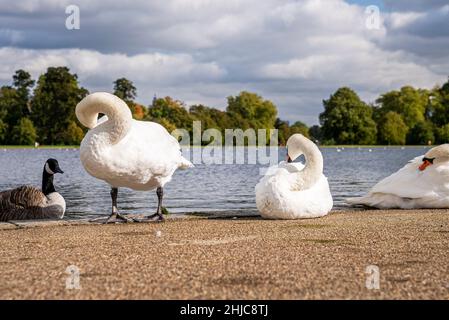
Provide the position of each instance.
(53, 104)
(347, 119)
(392, 129)
(44, 111)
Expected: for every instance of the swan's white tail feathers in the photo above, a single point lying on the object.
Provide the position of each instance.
(355, 200)
(185, 164)
(370, 200)
(367, 201)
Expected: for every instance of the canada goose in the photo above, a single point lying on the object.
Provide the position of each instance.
(140, 155)
(294, 190)
(27, 202)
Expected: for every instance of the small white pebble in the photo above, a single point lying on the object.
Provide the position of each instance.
(158, 233)
(234, 218)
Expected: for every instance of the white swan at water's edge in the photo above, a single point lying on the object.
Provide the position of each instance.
(422, 183)
(294, 190)
(29, 203)
(140, 155)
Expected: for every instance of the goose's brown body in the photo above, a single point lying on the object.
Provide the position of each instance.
(26, 203)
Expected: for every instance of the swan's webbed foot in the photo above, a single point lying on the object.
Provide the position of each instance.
(157, 217)
(116, 217)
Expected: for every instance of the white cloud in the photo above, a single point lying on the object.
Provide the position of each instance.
(200, 51)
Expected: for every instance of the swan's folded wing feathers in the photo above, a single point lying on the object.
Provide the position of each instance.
(410, 182)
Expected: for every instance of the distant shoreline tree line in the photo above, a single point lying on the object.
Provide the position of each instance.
(44, 112)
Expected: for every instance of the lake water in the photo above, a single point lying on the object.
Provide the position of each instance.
(205, 188)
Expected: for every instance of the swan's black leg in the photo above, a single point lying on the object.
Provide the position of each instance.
(160, 195)
(158, 215)
(115, 215)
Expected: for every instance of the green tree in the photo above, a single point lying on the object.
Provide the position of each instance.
(204, 114)
(72, 135)
(299, 127)
(392, 129)
(17, 97)
(14, 100)
(422, 133)
(347, 119)
(9, 108)
(439, 105)
(3, 132)
(442, 134)
(315, 133)
(125, 89)
(23, 82)
(171, 113)
(23, 133)
(283, 128)
(251, 110)
(53, 104)
(409, 102)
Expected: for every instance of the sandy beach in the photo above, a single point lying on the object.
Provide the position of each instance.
(243, 258)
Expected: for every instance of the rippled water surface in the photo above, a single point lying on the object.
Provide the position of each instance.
(205, 188)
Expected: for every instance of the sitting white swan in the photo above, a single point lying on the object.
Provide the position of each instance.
(124, 152)
(292, 190)
(422, 183)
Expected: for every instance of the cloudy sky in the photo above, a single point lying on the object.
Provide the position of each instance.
(295, 53)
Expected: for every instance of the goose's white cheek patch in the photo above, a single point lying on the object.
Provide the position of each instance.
(47, 168)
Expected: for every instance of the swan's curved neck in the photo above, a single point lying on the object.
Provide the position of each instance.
(117, 111)
(313, 169)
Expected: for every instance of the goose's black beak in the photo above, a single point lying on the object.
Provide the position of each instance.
(288, 159)
(58, 170)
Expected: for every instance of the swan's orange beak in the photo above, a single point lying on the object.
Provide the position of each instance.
(424, 165)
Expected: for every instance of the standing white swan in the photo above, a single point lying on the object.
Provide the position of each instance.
(422, 183)
(124, 152)
(292, 190)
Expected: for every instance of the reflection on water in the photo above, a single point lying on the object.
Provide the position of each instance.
(213, 187)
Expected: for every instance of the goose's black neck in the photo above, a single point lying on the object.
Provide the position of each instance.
(47, 183)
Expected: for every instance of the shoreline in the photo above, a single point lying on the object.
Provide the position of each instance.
(238, 258)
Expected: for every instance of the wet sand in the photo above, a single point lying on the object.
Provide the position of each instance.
(244, 258)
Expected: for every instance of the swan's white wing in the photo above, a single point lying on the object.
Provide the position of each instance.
(410, 188)
(276, 200)
(282, 166)
(146, 157)
(409, 181)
